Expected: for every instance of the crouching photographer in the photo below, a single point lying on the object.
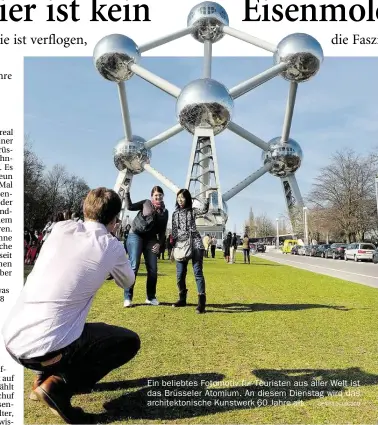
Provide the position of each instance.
(46, 329)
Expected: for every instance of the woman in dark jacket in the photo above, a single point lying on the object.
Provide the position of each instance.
(184, 226)
(147, 243)
(227, 246)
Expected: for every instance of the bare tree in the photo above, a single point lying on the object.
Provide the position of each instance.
(55, 181)
(346, 188)
(33, 184)
(74, 190)
(46, 193)
(264, 226)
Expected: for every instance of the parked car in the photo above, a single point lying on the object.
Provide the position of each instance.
(359, 251)
(336, 251)
(295, 249)
(375, 256)
(302, 250)
(310, 250)
(320, 250)
(260, 247)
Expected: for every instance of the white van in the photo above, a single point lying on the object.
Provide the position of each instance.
(359, 251)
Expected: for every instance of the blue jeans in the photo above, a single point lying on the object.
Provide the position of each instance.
(136, 245)
(182, 268)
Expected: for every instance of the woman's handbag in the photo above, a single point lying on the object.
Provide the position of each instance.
(183, 250)
(143, 224)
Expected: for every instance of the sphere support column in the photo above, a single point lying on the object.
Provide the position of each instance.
(294, 203)
(203, 174)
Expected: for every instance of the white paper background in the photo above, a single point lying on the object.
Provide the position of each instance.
(166, 16)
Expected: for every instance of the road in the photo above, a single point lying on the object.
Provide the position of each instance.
(365, 273)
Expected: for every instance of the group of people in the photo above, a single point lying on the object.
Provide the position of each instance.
(210, 243)
(146, 236)
(46, 331)
(34, 239)
(230, 246)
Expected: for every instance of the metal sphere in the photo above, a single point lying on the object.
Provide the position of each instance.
(131, 155)
(113, 54)
(207, 20)
(204, 103)
(304, 55)
(286, 157)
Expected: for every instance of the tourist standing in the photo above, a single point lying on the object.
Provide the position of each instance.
(227, 246)
(146, 234)
(213, 246)
(184, 229)
(246, 249)
(233, 248)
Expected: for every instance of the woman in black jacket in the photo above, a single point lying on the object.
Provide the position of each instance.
(147, 243)
(184, 226)
(227, 246)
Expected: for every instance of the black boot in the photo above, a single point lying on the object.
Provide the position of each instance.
(182, 299)
(201, 304)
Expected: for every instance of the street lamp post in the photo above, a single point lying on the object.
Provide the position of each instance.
(305, 225)
(277, 234)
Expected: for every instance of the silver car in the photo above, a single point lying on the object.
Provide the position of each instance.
(359, 251)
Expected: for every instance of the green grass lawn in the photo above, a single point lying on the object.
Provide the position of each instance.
(265, 324)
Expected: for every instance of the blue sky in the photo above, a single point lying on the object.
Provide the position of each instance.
(73, 117)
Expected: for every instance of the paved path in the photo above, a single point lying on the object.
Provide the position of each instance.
(365, 273)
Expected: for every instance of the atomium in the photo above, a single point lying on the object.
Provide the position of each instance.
(204, 107)
(131, 155)
(207, 20)
(112, 56)
(302, 53)
(284, 157)
(204, 103)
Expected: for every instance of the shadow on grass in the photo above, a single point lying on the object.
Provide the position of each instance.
(243, 308)
(195, 395)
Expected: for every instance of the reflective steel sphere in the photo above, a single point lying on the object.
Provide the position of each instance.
(304, 55)
(286, 157)
(207, 20)
(131, 155)
(112, 56)
(204, 103)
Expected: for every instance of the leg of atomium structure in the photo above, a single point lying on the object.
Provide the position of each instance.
(289, 111)
(191, 162)
(216, 171)
(125, 111)
(165, 39)
(240, 131)
(124, 177)
(199, 164)
(162, 137)
(166, 182)
(246, 182)
(207, 59)
(204, 178)
(248, 85)
(250, 39)
(155, 80)
(294, 201)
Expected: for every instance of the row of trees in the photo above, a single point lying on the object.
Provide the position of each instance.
(342, 204)
(47, 192)
(260, 226)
